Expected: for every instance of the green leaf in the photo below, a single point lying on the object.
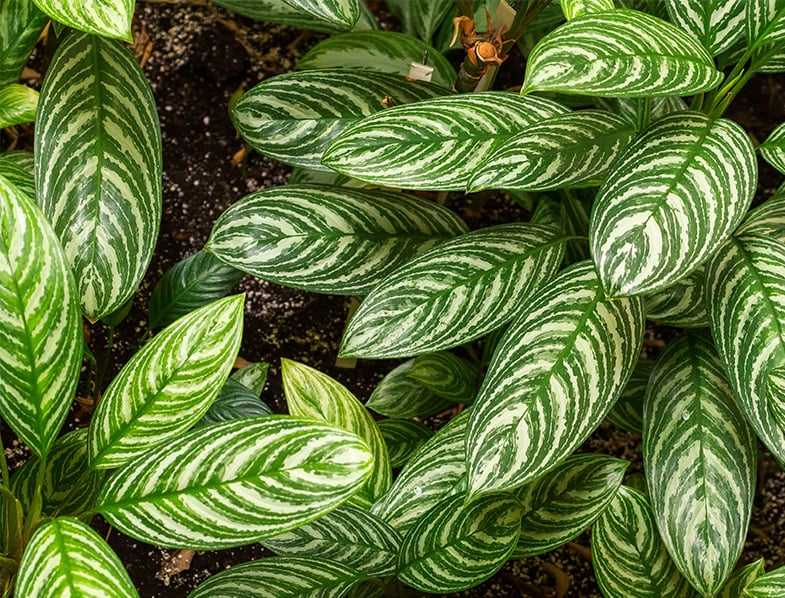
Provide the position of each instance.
(273, 473)
(234, 401)
(741, 578)
(561, 151)
(350, 536)
(293, 117)
(455, 545)
(770, 585)
(767, 219)
(328, 239)
(253, 376)
(556, 373)
(40, 352)
(447, 375)
(65, 557)
(454, 293)
(167, 386)
(718, 24)
(98, 167)
(764, 24)
(773, 149)
(342, 14)
(576, 8)
(562, 504)
(627, 413)
(427, 145)
(620, 53)
(281, 577)
(681, 305)
(18, 168)
(188, 285)
(381, 51)
(420, 18)
(656, 220)
(403, 437)
(107, 18)
(18, 104)
(20, 25)
(628, 556)
(400, 395)
(700, 458)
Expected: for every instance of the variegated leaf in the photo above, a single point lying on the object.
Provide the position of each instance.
(328, 239)
(41, 338)
(554, 376)
(400, 395)
(447, 375)
(403, 437)
(741, 578)
(457, 545)
(188, 285)
(98, 167)
(634, 109)
(561, 151)
(426, 145)
(281, 577)
(310, 393)
(620, 53)
(669, 201)
(308, 176)
(718, 24)
(560, 505)
(65, 557)
(628, 556)
(682, 304)
(627, 413)
(18, 168)
(773, 149)
(168, 385)
(576, 8)
(383, 51)
(253, 376)
(350, 536)
(764, 24)
(700, 458)
(770, 585)
(420, 18)
(455, 293)
(341, 14)
(294, 117)
(767, 219)
(272, 473)
(18, 104)
(746, 303)
(107, 18)
(20, 25)
(234, 401)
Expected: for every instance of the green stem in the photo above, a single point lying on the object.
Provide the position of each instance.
(722, 102)
(644, 114)
(33, 518)
(4, 466)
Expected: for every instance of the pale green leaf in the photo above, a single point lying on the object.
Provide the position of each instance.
(741, 578)
(764, 25)
(681, 305)
(107, 18)
(627, 413)
(403, 437)
(341, 14)
(20, 25)
(767, 219)
(253, 376)
(291, 13)
(400, 395)
(447, 375)
(718, 24)
(18, 104)
(773, 149)
(420, 18)
(18, 168)
(576, 8)
(770, 585)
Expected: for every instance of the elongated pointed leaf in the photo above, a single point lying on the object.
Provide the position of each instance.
(342, 14)
(559, 152)
(281, 577)
(400, 395)
(272, 473)
(700, 458)
(107, 18)
(168, 385)
(98, 167)
(655, 220)
(434, 144)
(741, 578)
(234, 401)
(20, 25)
(447, 375)
(350, 536)
(18, 168)
(310, 393)
(767, 219)
(628, 555)
(682, 304)
(65, 557)
(328, 239)
(773, 149)
(718, 24)
(764, 23)
(420, 18)
(293, 117)
(253, 376)
(455, 546)
(454, 293)
(620, 53)
(554, 376)
(576, 8)
(403, 437)
(41, 339)
(560, 505)
(627, 413)
(770, 585)
(17, 105)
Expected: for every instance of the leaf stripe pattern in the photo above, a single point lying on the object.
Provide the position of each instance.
(700, 458)
(17, 105)
(765, 23)
(400, 395)
(656, 220)
(98, 167)
(328, 239)
(773, 149)
(403, 437)
(280, 11)
(575, 8)
(40, 325)
(18, 168)
(65, 557)
(742, 578)
(770, 585)
(627, 413)
(620, 53)
(341, 13)
(454, 293)
(681, 305)
(554, 376)
(107, 18)
(420, 18)
(718, 25)
(233, 402)
(434, 144)
(767, 219)
(20, 25)
(447, 375)
(273, 473)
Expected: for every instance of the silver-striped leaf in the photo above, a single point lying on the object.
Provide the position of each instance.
(741, 578)
(746, 302)
(669, 201)
(628, 556)
(718, 24)
(18, 168)
(764, 25)
(328, 239)
(287, 13)
(350, 536)
(272, 473)
(18, 104)
(562, 504)
(98, 167)
(40, 352)
(425, 145)
(556, 373)
(341, 14)
(561, 151)
(773, 149)
(234, 401)
(20, 25)
(65, 557)
(436, 471)
(681, 305)
(308, 176)
(420, 18)
(620, 53)
(400, 395)
(253, 376)
(770, 585)
(766, 219)
(627, 413)
(700, 458)
(576, 8)
(403, 437)
(454, 293)
(105, 18)
(293, 117)
(310, 393)
(383, 51)
(457, 545)
(281, 577)
(168, 385)
(447, 375)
